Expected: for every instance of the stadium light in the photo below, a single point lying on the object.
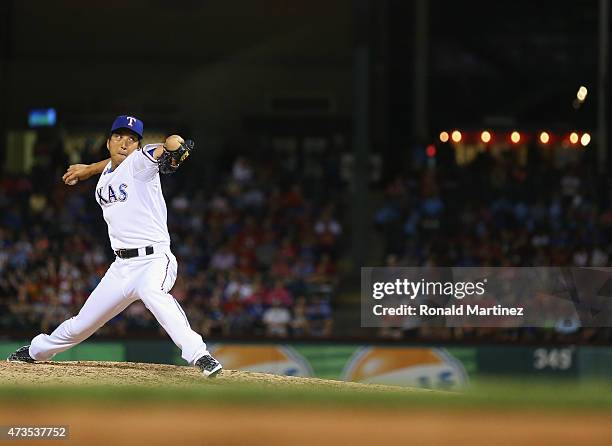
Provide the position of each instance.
(443, 136)
(485, 136)
(456, 136)
(544, 137)
(582, 93)
(574, 138)
(515, 137)
(585, 139)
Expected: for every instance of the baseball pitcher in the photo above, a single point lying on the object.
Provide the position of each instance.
(130, 195)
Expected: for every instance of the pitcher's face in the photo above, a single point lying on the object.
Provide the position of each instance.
(120, 144)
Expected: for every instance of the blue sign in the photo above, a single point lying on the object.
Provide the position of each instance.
(42, 117)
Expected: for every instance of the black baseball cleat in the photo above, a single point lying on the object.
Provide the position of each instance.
(21, 355)
(209, 366)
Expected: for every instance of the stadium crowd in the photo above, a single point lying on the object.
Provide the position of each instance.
(499, 210)
(259, 250)
(254, 258)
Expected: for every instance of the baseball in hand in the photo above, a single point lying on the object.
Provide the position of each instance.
(73, 182)
(173, 142)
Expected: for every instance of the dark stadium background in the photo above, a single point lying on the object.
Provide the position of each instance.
(318, 128)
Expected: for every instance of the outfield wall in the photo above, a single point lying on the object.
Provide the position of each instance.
(434, 366)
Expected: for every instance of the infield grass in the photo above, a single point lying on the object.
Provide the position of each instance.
(557, 396)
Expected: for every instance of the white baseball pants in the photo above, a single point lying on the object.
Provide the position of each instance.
(148, 278)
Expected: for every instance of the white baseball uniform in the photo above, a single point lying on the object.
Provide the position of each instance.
(135, 210)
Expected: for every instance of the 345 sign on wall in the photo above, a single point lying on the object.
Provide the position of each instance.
(553, 358)
(536, 361)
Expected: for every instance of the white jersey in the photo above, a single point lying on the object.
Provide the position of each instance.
(132, 202)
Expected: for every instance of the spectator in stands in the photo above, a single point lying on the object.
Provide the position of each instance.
(299, 321)
(242, 172)
(319, 316)
(224, 259)
(327, 230)
(276, 319)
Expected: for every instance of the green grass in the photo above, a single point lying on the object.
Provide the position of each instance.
(557, 396)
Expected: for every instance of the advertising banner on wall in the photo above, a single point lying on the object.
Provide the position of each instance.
(402, 366)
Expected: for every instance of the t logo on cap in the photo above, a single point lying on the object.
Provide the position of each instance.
(129, 122)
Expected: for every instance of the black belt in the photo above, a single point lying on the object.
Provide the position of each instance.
(129, 253)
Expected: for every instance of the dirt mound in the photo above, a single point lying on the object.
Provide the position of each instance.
(138, 374)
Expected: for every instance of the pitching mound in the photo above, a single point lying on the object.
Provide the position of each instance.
(151, 375)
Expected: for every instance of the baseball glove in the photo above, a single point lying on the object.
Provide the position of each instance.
(169, 162)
